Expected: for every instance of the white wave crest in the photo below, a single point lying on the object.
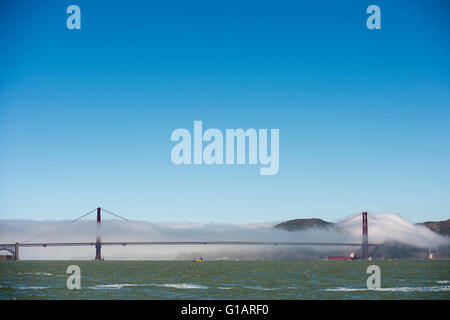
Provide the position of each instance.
(182, 286)
(393, 289)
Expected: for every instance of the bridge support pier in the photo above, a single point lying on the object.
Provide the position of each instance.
(16, 251)
(98, 250)
(365, 237)
(98, 243)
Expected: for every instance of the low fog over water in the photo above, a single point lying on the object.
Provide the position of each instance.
(382, 228)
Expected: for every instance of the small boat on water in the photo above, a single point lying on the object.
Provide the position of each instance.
(198, 260)
(351, 256)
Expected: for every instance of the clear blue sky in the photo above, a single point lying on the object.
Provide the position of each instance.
(86, 115)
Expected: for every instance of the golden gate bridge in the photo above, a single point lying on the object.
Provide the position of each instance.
(353, 225)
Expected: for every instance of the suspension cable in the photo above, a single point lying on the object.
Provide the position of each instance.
(116, 215)
(47, 233)
(84, 215)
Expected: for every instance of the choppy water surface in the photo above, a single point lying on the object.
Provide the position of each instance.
(224, 280)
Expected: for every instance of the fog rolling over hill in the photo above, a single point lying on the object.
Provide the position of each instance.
(440, 227)
(304, 224)
(401, 239)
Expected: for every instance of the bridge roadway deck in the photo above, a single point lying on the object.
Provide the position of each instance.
(164, 243)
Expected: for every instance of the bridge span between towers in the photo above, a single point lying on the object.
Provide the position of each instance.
(356, 221)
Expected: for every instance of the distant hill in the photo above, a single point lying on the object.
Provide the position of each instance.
(303, 224)
(440, 227)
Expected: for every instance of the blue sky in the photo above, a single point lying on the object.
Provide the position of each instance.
(86, 115)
